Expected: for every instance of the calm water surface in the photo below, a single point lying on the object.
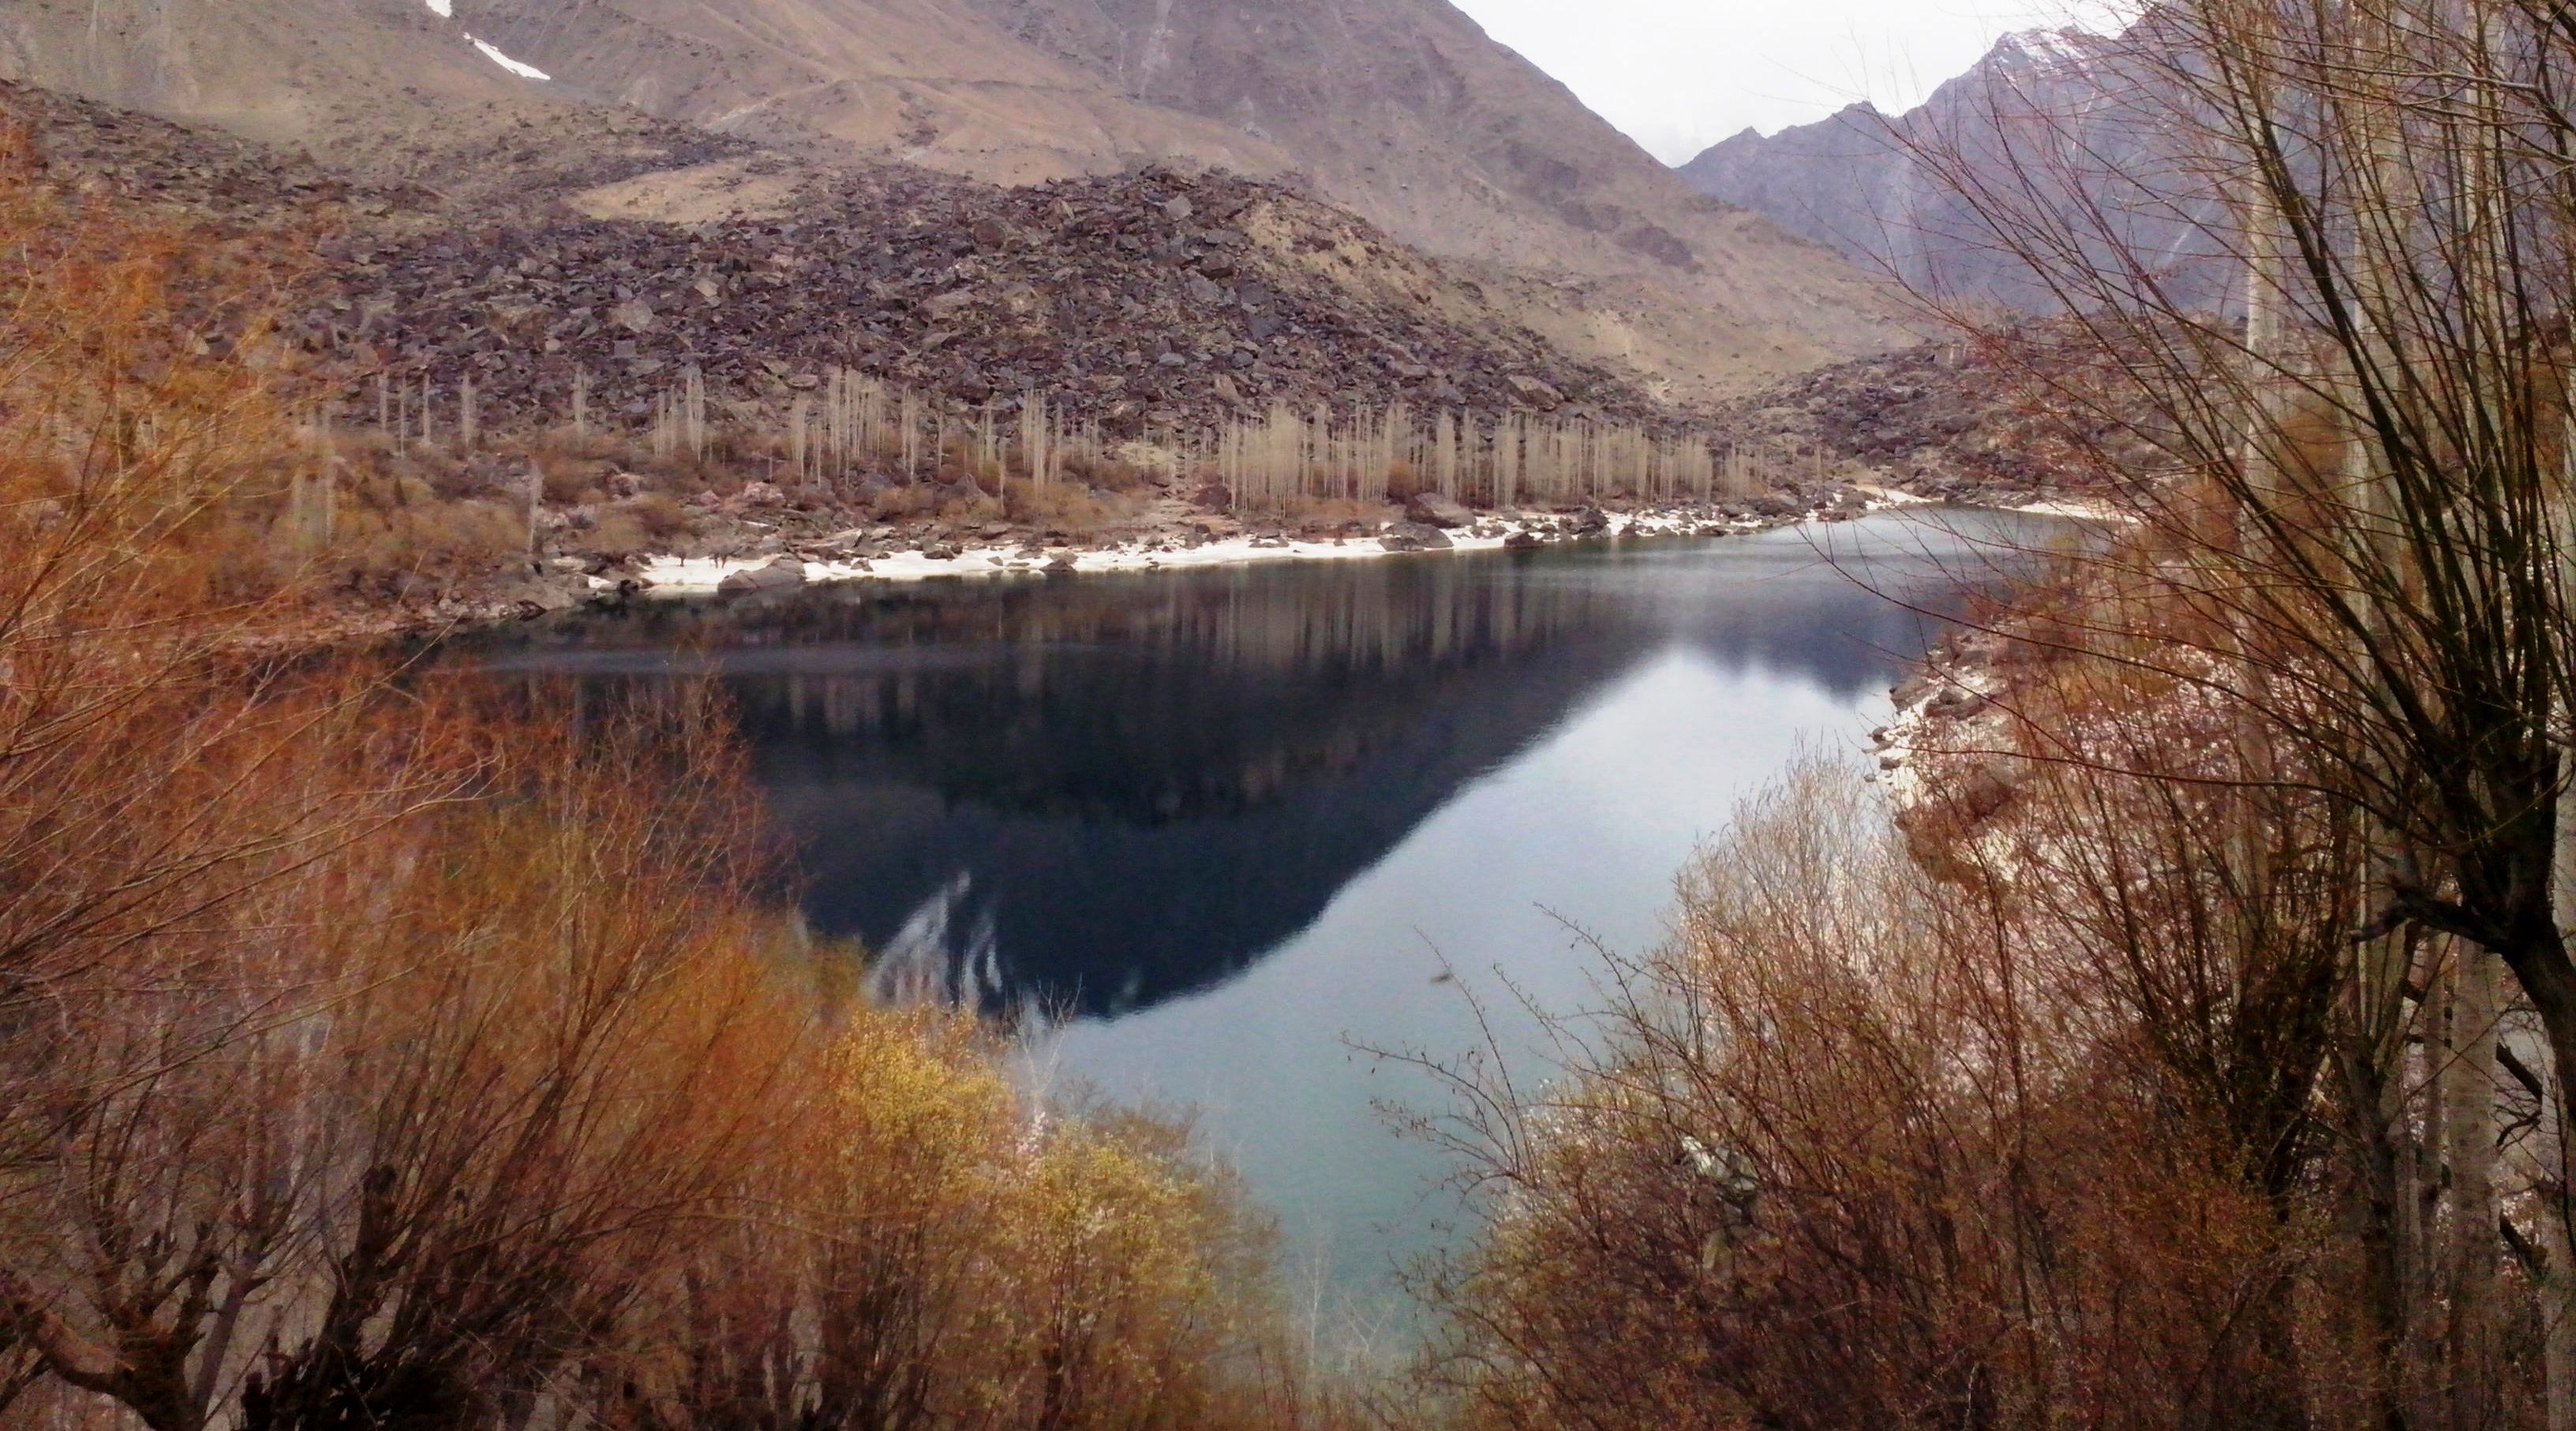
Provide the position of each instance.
(1208, 835)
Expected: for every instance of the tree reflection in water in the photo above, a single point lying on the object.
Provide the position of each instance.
(1088, 796)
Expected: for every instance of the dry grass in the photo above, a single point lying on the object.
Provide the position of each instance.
(1075, 510)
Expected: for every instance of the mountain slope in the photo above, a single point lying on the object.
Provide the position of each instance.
(1402, 111)
(2069, 111)
(921, 81)
(383, 89)
(1408, 113)
(277, 70)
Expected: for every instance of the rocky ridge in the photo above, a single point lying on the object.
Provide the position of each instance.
(1402, 111)
(139, 160)
(204, 173)
(1407, 112)
(1950, 421)
(1146, 302)
(2085, 120)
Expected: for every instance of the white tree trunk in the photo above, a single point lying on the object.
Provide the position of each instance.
(2558, 1280)
(2469, 1118)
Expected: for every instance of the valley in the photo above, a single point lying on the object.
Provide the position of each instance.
(1122, 715)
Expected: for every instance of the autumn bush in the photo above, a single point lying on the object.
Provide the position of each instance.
(377, 1050)
(2088, 1083)
(1857, 1149)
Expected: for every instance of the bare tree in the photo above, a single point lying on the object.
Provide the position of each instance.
(2356, 480)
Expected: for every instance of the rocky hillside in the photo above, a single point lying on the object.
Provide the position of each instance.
(2024, 414)
(1400, 110)
(383, 93)
(1408, 113)
(2067, 109)
(1148, 301)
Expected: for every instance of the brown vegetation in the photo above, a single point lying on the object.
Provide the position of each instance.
(2197, 1055)
(1867, 1146)
(902, 451)
(377, 1052)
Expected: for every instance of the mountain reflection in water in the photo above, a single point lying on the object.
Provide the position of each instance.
(1088, 797)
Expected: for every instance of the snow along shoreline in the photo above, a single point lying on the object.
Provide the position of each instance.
(700, 576)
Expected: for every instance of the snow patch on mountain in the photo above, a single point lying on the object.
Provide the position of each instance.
(516, 67)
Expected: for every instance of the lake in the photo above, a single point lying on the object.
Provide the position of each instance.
(1205, 838)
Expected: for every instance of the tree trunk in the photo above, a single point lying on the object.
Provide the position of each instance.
(2558, 1285)
(2469, 1096)
(2382, 1224)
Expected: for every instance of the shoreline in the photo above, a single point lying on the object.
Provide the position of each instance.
(681, 578)
(900, 556)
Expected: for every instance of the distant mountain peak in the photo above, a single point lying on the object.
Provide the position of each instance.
(1858, 181)
(2059, 44)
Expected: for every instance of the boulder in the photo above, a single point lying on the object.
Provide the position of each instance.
(532, 596)
(1433, 510)
(1522, 541)
(1414, 537)
(783, 574)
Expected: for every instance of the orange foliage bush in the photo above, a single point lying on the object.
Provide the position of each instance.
(376, 1051)
(1860, 1148)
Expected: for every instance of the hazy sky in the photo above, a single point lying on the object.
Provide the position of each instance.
(1679, 75)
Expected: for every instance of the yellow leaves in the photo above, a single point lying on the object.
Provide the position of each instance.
(970, 1257)
(914, 1131)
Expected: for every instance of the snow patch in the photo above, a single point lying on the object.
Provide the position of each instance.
(2081, 509)
(677, 576)
(444, 9)
(2069, 48)
(523, 71)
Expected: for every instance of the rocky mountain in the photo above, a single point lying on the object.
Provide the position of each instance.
(1408, 113)
(1401, 111)
(1148, 303)
(1143, 301)
(2016, 417)
(2072, 112)
(383, 92)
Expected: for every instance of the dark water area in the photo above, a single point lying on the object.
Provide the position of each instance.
(1207, 834)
